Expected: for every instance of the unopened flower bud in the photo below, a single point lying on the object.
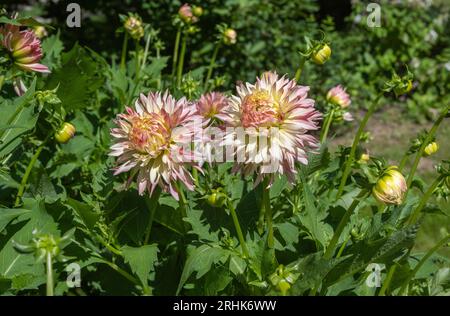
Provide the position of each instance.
(338, 96)
(65, 133)
(403, 88)
(364, 158)
(216, 198)
(186, 15)
(322, 55)
(229, 36)
(40, 31)
(431, 148)
(133, 25)
(197, 11)
(390, 187)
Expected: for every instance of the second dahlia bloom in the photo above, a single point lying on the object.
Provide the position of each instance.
(24, 48)
(277, 117)
(338, 96)
(213, 105)
(153, 141)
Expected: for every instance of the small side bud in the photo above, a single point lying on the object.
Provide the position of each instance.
(65, 133)
(431, 149)
(229, 36)
(321, 55)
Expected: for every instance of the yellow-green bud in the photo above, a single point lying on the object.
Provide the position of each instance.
(322, 55)
(229, 37)
(283, 286)
(390, 187)
(447, 182)
(133, 25)
(364, 158)
(216, 198)
(431, 148)
(197, 11)
(403, 88)
(65, 133)
(40, 31)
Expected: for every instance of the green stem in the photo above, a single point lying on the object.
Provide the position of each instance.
(138, 68)
(181, 61)
(152, 204)
(124, 51)
(403, 162)
(182, 202)
(158, 81)
(327, 126)
(424, 144)
(388, 280)
(341, 250)
(147, 45)
(415, 214)
(2, 80)
(212, 63)
(49, 268)
(122, 272)
(344, 220)
(298, 73)
(30, 166)
(238, 230)
(351, 157)
(268, 212)
(441, 243)
(175, 51)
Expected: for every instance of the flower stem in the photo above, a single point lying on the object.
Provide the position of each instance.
(238, 230)
(298, 73)
(138, 68)
(212, 63)
(158, 56)
(147, 45)
(175, 51)
(268, 212)
(124, 51)
(181, 61)
(152, 204)
(403, 162)
(351, 157)
(388, 280)
(327, 126)
(424, 144)
(415, 214)
(49, 268)
(441, 243)
(30, 166)
(344, 220)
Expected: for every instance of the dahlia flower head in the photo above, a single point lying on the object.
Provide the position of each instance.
(24, 48)
(213, 107)
(277, 118)
(338, 96)
(153, 142)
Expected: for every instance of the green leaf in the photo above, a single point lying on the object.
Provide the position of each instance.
(79, 78)
(17, 118)
(14, 265)
(200, 260)
(8, 214)
(141, 260)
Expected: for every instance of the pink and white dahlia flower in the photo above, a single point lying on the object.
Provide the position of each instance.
(276, 118)
(338, 96)
(213, 105)
(154, 142)
(24, 47)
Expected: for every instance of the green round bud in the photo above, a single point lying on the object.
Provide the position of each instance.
(322, 55)
(65, 133)
(403, 88)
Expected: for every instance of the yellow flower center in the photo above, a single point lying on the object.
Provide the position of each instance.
(259, 109)
(149, 134)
